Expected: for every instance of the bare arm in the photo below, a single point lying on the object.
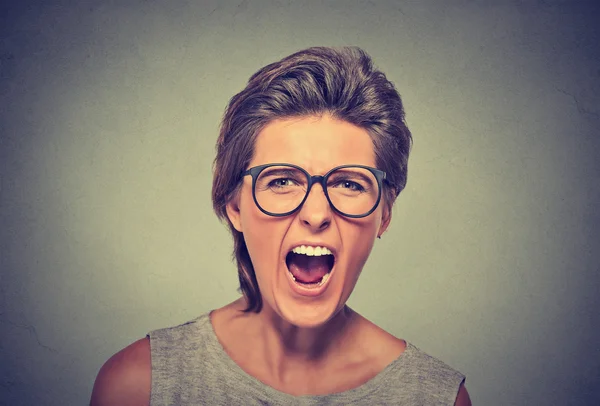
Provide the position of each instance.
(462, 399)
(125, 379)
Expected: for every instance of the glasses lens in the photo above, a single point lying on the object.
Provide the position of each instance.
(280, 189)
(353, 190)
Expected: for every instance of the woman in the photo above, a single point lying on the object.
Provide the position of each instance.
(310, 159)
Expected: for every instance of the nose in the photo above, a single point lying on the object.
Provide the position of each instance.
(316, 212)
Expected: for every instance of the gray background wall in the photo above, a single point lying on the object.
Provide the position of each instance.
(108, 116)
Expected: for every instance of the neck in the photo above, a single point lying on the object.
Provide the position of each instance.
(289, 351)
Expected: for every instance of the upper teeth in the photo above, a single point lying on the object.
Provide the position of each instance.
(311, 251)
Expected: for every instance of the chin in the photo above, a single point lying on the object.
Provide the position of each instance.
(306, 315)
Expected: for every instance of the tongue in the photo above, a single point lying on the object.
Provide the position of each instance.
(308, 269)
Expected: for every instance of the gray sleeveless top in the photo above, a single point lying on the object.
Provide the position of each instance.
(190, 367)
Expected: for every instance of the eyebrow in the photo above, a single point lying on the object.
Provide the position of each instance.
(292, 172)
(281, 172)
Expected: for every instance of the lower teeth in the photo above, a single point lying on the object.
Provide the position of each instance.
(320, 283)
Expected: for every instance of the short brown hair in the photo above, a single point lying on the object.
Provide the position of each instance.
(341, 82)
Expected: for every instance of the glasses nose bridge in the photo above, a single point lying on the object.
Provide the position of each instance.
(317, 214)
(316, 179)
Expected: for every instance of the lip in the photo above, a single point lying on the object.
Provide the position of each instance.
(309, 292)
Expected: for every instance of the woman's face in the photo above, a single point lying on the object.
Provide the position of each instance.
(316, 144)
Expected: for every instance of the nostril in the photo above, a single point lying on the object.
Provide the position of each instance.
(319, 223)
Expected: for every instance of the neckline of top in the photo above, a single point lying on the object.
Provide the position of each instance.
(357, 393)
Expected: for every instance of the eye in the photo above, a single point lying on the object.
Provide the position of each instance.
(348, 184)
(282, 183)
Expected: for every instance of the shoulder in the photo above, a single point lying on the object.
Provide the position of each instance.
(432, 377)
(126, 378)
(430, 366)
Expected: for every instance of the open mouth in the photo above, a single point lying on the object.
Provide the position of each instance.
(310, 266)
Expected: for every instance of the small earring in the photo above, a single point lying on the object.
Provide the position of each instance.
(379, 237)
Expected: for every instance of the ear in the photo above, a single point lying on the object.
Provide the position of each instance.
(386, 218)
(233, 213)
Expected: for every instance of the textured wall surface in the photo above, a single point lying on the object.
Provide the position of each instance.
(108, 116)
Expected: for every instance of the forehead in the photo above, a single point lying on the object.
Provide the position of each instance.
(315, 143)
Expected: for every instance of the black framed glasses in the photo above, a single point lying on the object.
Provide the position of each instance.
(279, 189)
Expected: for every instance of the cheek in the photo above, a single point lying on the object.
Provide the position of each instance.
(359, 238)
(263, 236)
(364, 229)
